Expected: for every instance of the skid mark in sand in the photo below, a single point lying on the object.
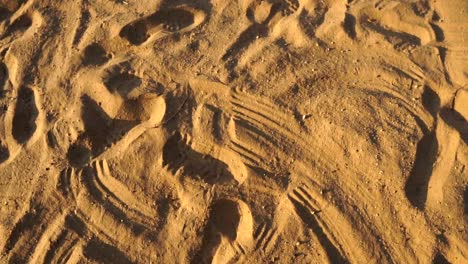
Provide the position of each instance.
(62, 248)
(228, 233)
(265, 237)
(97, 183)
(253, 119)
(64, 181)
(68, 239)
(56, 243)
(25, 225)
(114, 230)
(105, 211)
(118, 192)
(26, 113)
(161, 23)
(308, 208)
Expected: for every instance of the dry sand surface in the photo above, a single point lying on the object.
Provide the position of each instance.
(233, 131)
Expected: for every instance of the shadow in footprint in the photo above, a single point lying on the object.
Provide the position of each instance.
(3, 78)
(104, 253)
(417, 183)
(8, 7)
(223, 222)
(95, 55)
(440, 259)
(178, 154)
(246, 38)
(4, 153)
(4, 13)
(349, 25)
(21, 24)
(101, 130)
(120, 81)
(78, 155)
(26, 112)
(170, 20)
(456, 121)
(395, 38)
(416, 187)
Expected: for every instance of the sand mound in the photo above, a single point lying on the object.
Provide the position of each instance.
(249, 131)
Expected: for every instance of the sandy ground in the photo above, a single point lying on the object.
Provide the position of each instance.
(244, 131)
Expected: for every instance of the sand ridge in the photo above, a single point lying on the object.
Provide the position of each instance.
(215, 131)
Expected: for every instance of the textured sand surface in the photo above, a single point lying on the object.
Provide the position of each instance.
(243, 131)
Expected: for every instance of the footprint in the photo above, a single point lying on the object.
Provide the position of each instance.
(416, 187)
(404, 25)
(101, 130)
(21, 24)
(435, 154)
(109, 135)
(179, 155)
(78, 155)
(229, 231)
(26, 113)
(120, 79)
(264, 17)
(289, 7)
(95, 55)
(455, 31)
(165, 21)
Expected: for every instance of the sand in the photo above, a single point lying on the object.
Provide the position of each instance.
(249, 131)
